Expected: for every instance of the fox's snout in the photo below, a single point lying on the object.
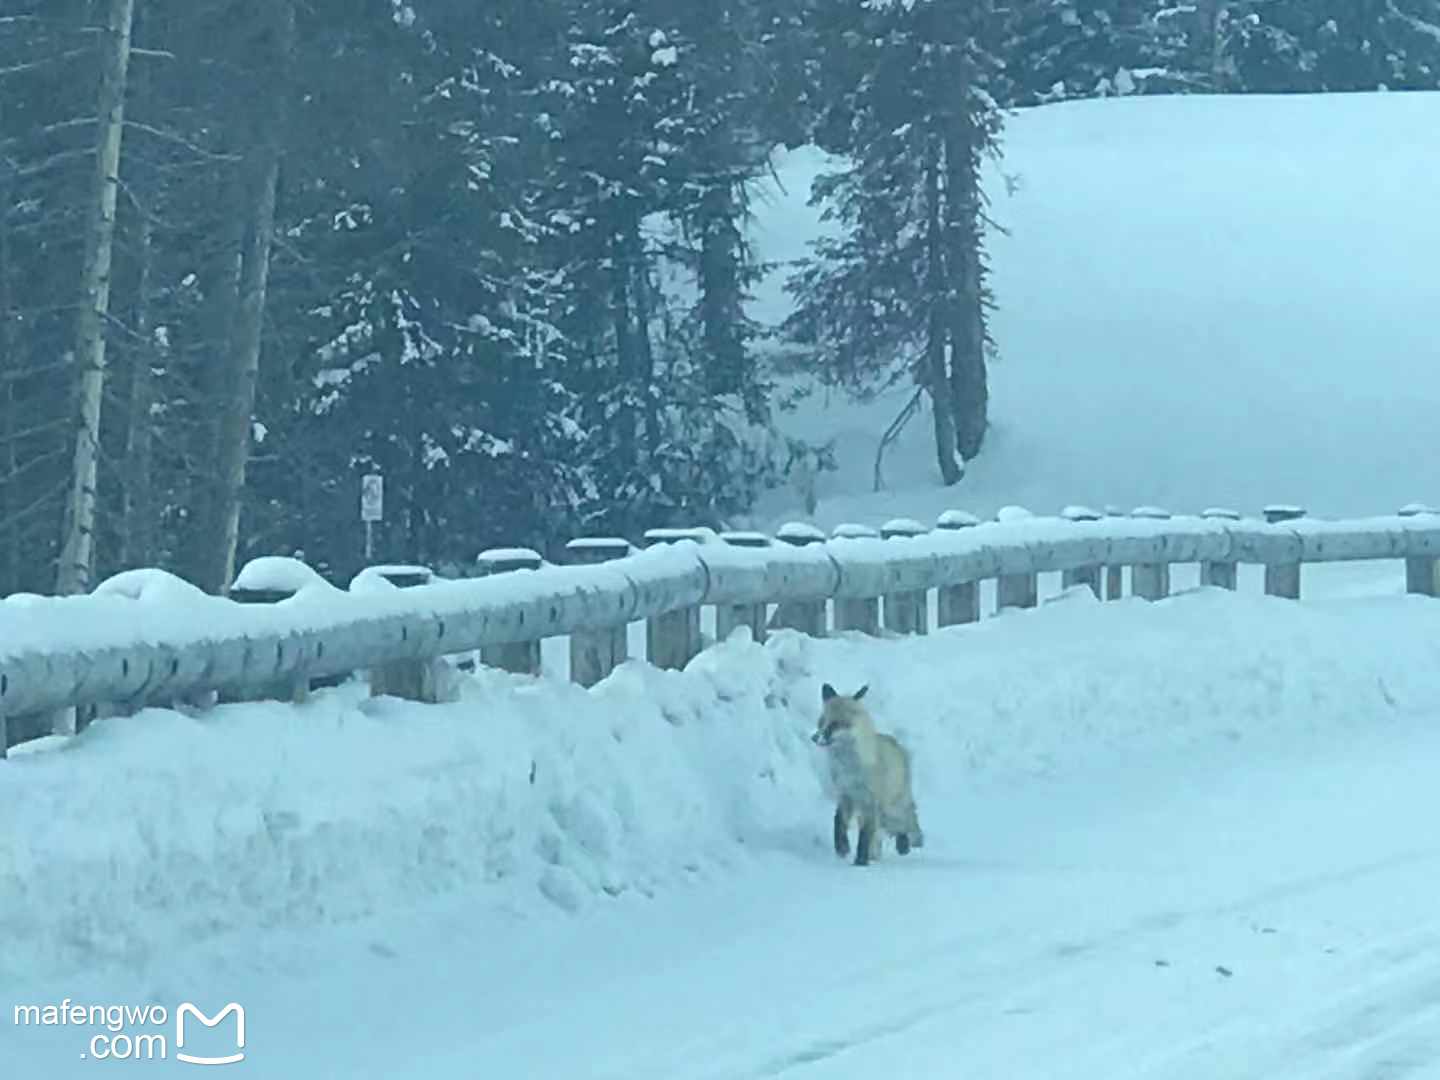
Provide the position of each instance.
(820, 738)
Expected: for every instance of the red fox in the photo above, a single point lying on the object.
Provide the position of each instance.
(871, 774)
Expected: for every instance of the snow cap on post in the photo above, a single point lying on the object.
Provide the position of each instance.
(381, 578)
(852, 531)
(799, 533)
(503, 560)
(901, 527)
(597, 549)
(746, 539)
(1080, 513)
(143, 583)
(701, 535)
(956, 519)
(268, 579)
(1013, 513)
(1278, 512)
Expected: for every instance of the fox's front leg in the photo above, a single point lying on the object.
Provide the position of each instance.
(843, 810)
(864, 846)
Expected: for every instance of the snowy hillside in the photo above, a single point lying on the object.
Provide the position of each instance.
(1203, 301)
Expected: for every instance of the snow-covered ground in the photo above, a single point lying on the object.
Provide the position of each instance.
(1119, 800)
(1191, 839)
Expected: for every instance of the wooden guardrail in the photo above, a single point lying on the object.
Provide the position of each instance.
(144, 637)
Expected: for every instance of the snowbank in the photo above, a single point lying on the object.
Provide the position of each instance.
(164, 827)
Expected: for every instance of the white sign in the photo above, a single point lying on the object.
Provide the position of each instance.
(372, 497)
(187, 1009)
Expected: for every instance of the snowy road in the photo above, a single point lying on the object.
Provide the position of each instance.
(1259, 909)
(1050, 932)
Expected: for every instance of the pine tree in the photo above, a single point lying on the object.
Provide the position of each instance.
(900, 293)
(435, 361)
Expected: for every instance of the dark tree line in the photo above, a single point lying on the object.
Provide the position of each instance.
(253, 249)
(1083, 48)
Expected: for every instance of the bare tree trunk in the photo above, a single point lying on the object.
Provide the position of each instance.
(970, 391)
(138, 538)
(937, 378)
(220, 285)
(236, 403)
(77, 550)
(9, 368)
(1213, 15)
(644, 349)
(625, 363)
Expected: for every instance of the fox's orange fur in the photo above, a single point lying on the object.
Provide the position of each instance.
(871, 774)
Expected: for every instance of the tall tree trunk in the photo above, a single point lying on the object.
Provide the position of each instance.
(9, 372)
(77, 548)
(721, 308)
(220, 286)
(1213, 14)
(970, 391)
(936, 378)
(236, 404)
(138, 538)
(644, 348)
(626, 364)
(9, 369)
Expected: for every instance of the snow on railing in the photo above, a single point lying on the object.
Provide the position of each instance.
(146, 637)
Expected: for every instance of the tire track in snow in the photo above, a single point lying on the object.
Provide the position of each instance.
(1394, 1019)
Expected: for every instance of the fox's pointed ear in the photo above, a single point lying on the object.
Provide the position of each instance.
(861, 692)
(827, 692)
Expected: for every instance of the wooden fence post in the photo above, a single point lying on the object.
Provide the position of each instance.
(729, 616)
(517, 657)
(960, 603)
(1422, 572)
(1283, 579)
(806, 616)
(1219, 574)
(294, 689)
(672, 640)
(594, 654)
(1082, 575)
(413, 680)
(1150, 581)
(1114, 574)
(905, 612)
(860, 613)
(1016, 590)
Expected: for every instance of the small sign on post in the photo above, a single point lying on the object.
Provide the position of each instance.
(372, 508)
